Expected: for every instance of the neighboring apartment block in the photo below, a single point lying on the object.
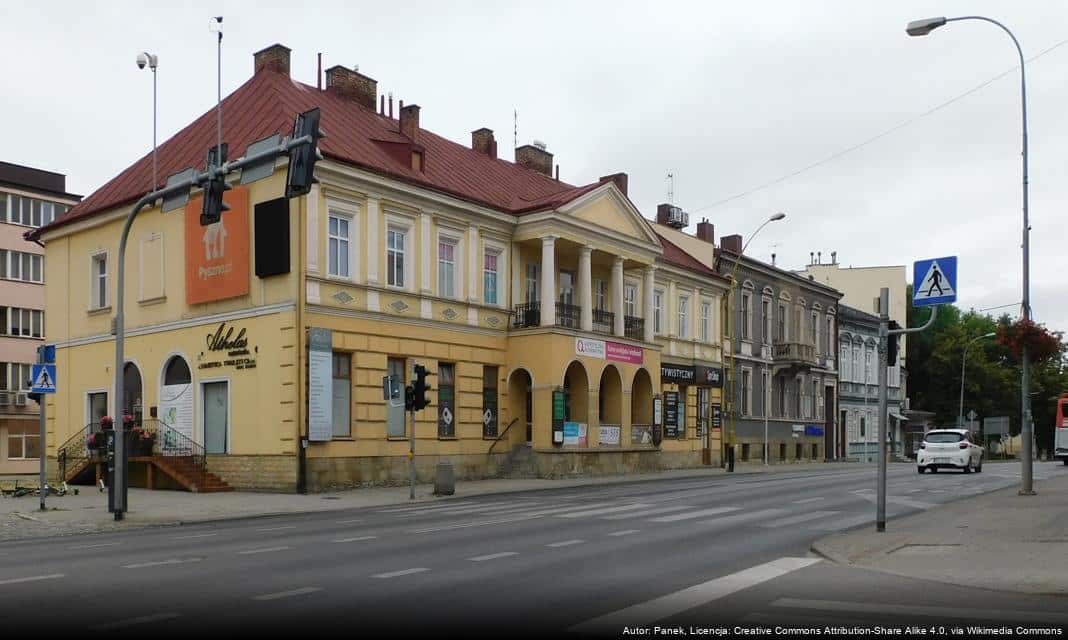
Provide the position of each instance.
(540, 307)
(781, 330)
(858, 388)
(29, 198)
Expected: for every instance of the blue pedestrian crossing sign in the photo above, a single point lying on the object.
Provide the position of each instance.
(44, 378)
(934, 281)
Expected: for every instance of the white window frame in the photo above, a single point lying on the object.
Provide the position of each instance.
(94, 280)
(498, 256)
(24, 434)
(533, 292)
(746, 391)
(746, 316)
(630, 299)
(767, 319)
(706, 320)
(783, 333)
(600, 294)
(658, 311)
(683, 305)
(815, 332)
(405, 226)
(454, 240)
(351, 242)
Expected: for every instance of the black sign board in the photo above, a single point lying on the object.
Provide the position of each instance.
(717, 416)
(711, 376)
(671, 414)
(675, 373)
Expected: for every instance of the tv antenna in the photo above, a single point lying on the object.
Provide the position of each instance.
(671, 188)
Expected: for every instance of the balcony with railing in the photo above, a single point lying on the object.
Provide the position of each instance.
(568, 315)
(526, 315)
(795, 353)
(634, 328)
(603, 321)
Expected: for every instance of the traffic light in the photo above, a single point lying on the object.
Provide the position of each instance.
(214, 188)
(891, 345)
(409, 398)
(302, 159)
(419, 389)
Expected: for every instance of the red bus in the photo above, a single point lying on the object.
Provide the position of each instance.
(1060, 429)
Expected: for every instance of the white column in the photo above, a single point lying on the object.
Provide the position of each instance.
(617, 296)
(428, 253)
(373, 241)
(548, 281)
(671, 311)
(516, 293)
(585, 289)
(474, 265)
(312, 228)
(695, 315)
(647, 301)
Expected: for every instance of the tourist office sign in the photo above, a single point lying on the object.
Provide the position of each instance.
(691, 374)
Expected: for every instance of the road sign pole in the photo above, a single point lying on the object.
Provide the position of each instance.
(884, 332)
(411, 459)
(41, 450)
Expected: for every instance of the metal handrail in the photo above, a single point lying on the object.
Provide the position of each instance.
(603, 320)
(171, 443)
(634, 327)
(527, 315)
(503, 433)
(75, 450)
(567, 315)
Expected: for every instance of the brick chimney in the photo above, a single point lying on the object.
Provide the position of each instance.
(483, 142)
(619, 178)
(409, 121)
(535, 158)
(731, 243)
(706, 231)
(352, 85)
(273, 58)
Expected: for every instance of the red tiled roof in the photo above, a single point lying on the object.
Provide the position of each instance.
(268, 103)
(676, 255)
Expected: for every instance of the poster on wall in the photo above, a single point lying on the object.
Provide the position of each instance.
(320, 385)
(671, 414)
(217, 255)
(575, 434)
(176, 411)
(609, 435)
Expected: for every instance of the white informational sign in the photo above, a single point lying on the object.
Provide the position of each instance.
(320, 385)
(609, 435)
(176, 411)
(589, 348)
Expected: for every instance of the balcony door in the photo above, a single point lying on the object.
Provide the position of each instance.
(566, 287)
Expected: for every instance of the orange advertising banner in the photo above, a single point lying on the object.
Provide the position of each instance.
(217, 256)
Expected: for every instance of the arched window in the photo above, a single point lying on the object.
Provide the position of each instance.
(177, 372)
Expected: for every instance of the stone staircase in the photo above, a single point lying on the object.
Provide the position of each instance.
(520, 463)
(184, 471)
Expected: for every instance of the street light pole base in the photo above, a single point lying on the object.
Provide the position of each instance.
(880, 526)
(1026, 493)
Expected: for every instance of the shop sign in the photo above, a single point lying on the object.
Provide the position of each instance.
(176, 411)
(232, 341)
(717, 416)
(711, 376)
(671, 414)
(217, 255)
(575, 434)
(679, 374)
(609, 435)
(626, 353)
(589, 348)
(558, 417)
(813, 430)
(320, 385)
(658, 410)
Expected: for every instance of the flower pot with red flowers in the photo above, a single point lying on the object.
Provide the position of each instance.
(96, 441)
(106, 422)
(141, 441)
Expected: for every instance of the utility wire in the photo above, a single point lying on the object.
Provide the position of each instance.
(865, 143)
(1004, 306)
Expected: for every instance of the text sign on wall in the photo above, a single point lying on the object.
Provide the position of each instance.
(671, 414)
(608, 350)
(320, 385)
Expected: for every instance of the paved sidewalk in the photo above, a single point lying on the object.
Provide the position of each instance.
(999, 540)
(87, 512)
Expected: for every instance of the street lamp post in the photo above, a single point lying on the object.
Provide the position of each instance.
(145, 58)
(960, 410)
(922, 28)
(730, 369)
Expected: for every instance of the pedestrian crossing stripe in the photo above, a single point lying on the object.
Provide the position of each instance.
(44, 378)
(934, 281)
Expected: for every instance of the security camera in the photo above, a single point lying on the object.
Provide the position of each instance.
(142, 60)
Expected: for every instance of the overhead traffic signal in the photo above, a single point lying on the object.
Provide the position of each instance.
(302, 159)
(214, 187)
(419, 389)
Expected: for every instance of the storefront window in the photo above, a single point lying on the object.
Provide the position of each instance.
(446, 400)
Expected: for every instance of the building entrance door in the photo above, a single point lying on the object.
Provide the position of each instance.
(216, 416)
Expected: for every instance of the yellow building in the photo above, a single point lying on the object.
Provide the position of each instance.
(545, 311)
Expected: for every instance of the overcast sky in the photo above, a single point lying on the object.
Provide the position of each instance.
(727, 96)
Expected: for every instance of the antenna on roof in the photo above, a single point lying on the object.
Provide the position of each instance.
(671, 188)
(515, 128)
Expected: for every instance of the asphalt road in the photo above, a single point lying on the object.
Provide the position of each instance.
(590, 561)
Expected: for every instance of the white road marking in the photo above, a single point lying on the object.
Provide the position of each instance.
(807, 500)
(248, 552)
(404, 572)
(556, 510)
(52, 576)
(954, 611)
(565, 543)
(288, 526)
(625, 532)
(160, 563)
(690, 515)
(441, 509)
(494, 556)
(350, 521)
(480, 523)
(803, 517)
(94, 546)
(195, 535)
(742, 518)
(130, 622)
(915, 490)
(356, 539)
(603, 510)
(462, 510)
(287, 594)
(648, 512)
(695, 596)
(422, 507)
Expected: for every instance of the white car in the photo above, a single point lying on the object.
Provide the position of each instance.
(949, 449)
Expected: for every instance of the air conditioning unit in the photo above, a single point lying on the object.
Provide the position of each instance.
(5, 398)
(678, 218)
(20, 399)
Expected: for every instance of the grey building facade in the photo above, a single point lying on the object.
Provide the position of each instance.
(782, 360)
(858, 399)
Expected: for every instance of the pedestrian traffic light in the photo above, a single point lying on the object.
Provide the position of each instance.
(419, 389)
(214, 187)
(409, 398)
(891, 345)
(302, 159)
